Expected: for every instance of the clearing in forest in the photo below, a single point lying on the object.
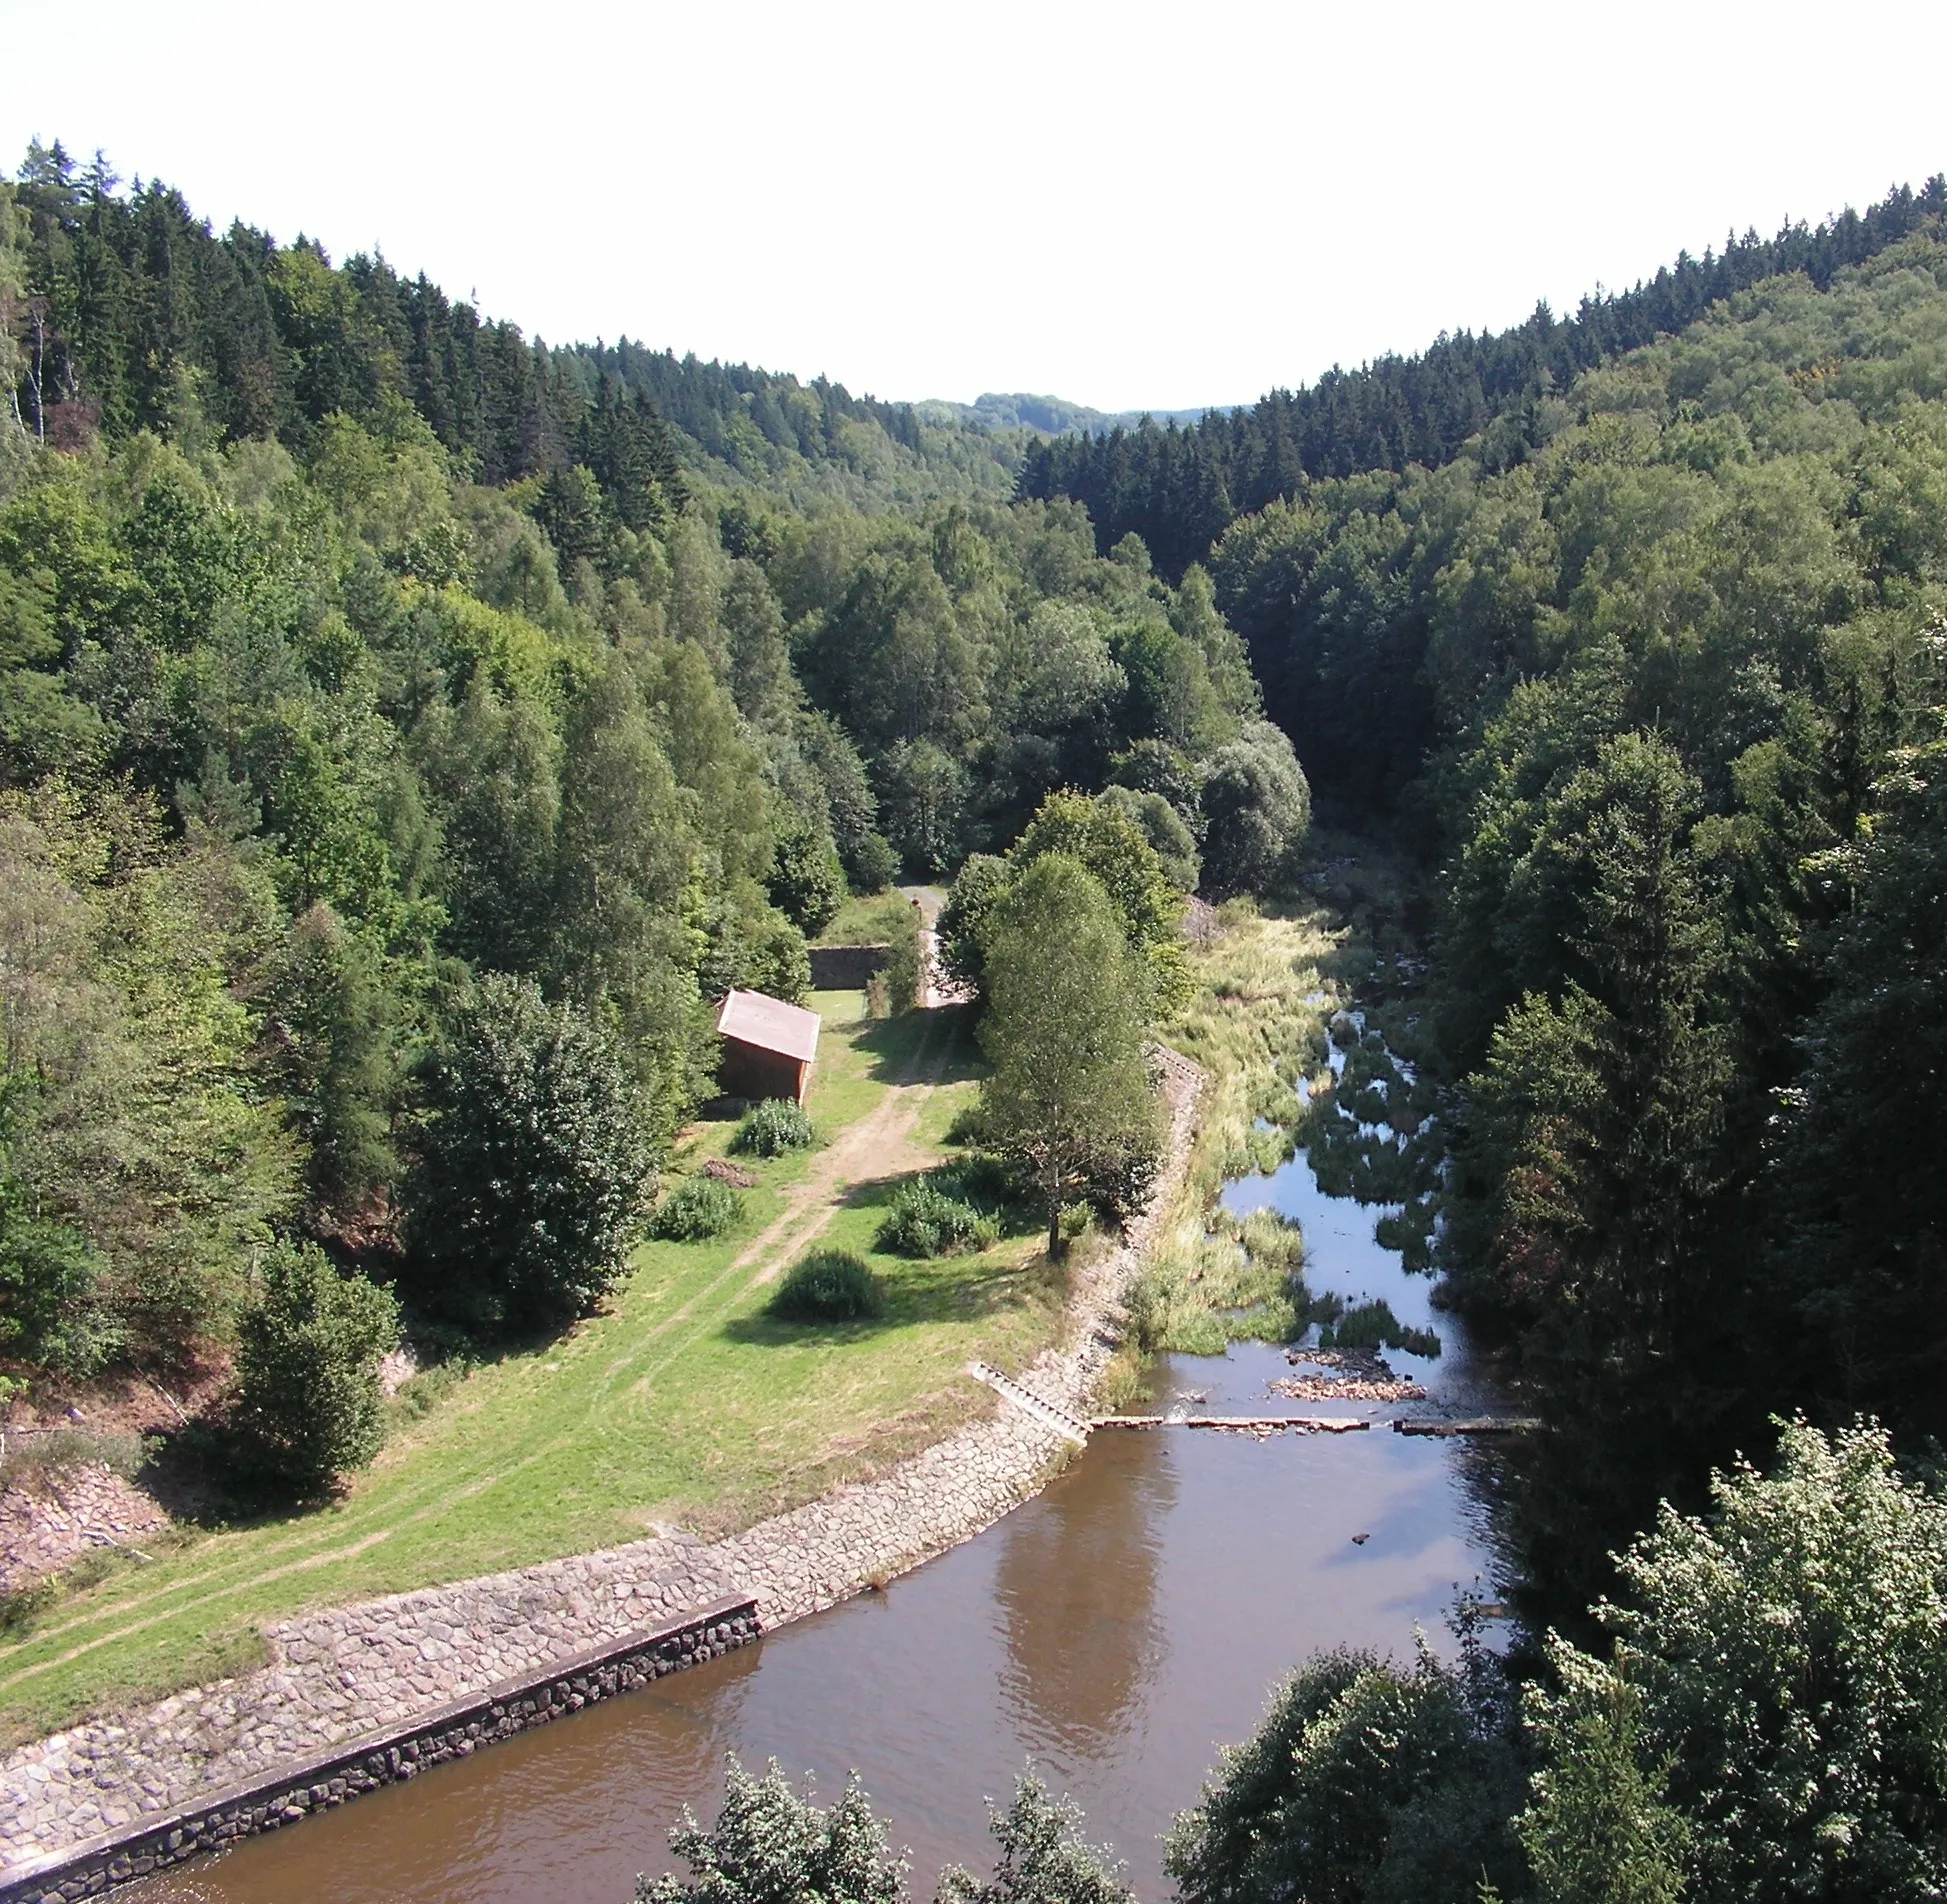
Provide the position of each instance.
(683, 1403)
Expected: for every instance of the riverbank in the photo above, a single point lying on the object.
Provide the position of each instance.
(338, 1674)
(682, 1404)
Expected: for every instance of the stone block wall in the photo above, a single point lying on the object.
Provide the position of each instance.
(845, 968)
(327, 1779)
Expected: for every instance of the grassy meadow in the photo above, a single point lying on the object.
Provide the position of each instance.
(682, 1404)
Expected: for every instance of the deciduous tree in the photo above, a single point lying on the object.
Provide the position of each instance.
(1069, 1095)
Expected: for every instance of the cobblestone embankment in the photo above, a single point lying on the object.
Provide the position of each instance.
(78, 1511)
(341, 1674)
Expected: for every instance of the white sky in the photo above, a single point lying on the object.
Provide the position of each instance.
(1125, 204)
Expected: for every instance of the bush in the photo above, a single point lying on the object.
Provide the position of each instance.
(980, 884)
(985, 1181)
(1044, 1859)
(1366, 1780)
(533, 1162)
(50, 1312)
(696, 1210)
(769, 1846)
(773, 1127)
(309, 1404)
(1256, 806)
(905, 972)
(1764, 1719)
(873, 865)
(829, 1286)
(968, 1126)
(807, 883)
(925, 1220)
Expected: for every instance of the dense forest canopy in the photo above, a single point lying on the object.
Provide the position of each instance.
(407, 727)
(1179, 489)
(390, 702)
(359, 650)
(1661, 706)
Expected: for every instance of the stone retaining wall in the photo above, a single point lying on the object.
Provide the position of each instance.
(77, 1511)
(845, 968)
(325, 1780)
(339, 1674)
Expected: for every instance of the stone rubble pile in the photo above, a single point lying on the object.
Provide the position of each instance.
(77, 1511)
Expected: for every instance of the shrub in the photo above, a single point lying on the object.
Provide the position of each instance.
(1366, 1780)
(696, 1210)
(984, 1180)
(22, 1606)
(873, 865)
(534, 1159)
(50, 1310)
(905, 972)
(773, 1127)
(769, 1846)
(925, 1220)
(968, 1126)
(309, 1404)
(829, 1286)
(807, 883)
(32, 1463)
(1044, 1859)
(1256, 807)
(980, 883)
(1764, 1718)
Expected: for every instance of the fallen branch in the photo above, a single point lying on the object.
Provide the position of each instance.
(109, 1540)
(1482, 1425)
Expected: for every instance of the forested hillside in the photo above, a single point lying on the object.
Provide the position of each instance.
(1662, 707)
(1180, 489)
(385, 707)
(358, 651)
(132, 302)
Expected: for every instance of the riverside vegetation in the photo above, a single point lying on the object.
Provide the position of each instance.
(388, 702)
(682, 1401)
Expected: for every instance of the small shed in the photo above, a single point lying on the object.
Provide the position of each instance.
(769, 1047)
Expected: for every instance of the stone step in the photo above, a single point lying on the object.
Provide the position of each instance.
(1049, 1414)
(1242, 1424)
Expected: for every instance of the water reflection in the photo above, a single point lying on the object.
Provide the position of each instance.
(1077, 1600)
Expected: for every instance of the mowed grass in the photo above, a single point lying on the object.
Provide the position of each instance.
(683, 1404)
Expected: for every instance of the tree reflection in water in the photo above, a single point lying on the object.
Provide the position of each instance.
(1077, 1593)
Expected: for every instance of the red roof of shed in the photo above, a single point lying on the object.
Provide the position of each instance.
(753, 1018)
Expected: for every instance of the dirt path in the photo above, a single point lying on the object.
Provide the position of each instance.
(880, 1144)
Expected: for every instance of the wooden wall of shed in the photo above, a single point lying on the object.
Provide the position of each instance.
(751, 1071)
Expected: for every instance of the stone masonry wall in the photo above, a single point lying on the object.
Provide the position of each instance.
(325, 1780)
(845, 968)
(340, 1674)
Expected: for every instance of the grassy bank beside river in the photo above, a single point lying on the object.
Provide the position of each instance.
(681, 1404)
(1268, 982)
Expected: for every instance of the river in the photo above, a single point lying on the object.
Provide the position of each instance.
(1117, 1629)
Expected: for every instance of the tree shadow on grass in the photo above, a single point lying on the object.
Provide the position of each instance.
(891, 1044)
(966, 1287)
(203, 1476)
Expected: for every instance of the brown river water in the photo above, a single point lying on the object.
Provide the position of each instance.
(1117, 1630)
